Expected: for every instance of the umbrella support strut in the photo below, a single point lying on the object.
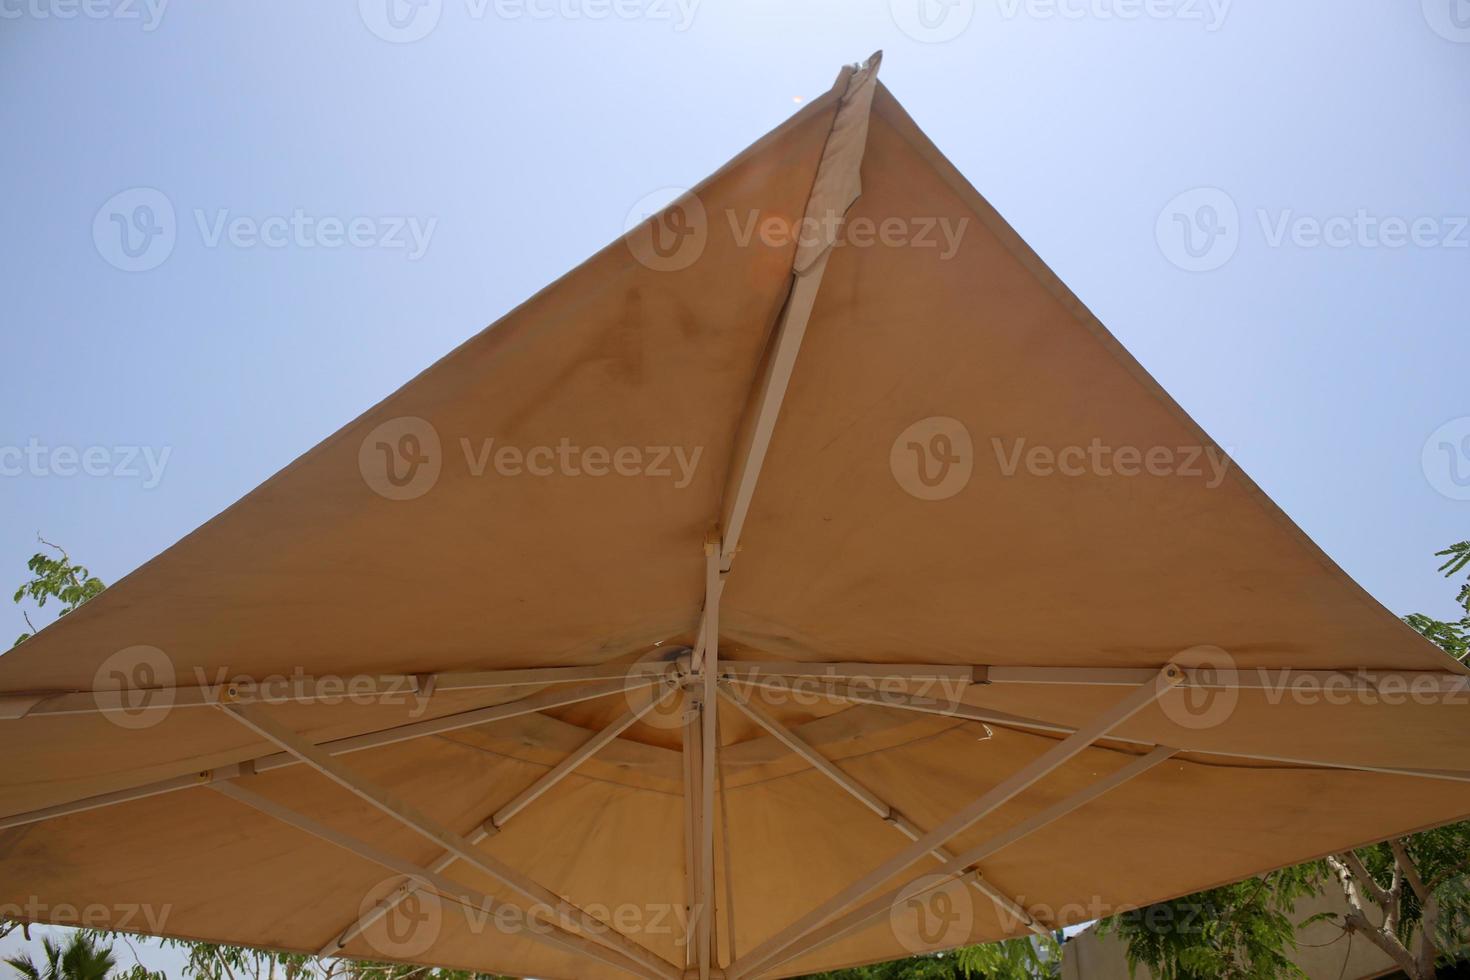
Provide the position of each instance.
(965, 864)
(492, 824)
(1059, 754)
(573, 919)
(545, 931)
(884, 810)
(955, 708)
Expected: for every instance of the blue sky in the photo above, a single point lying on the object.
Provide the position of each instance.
(515, 136)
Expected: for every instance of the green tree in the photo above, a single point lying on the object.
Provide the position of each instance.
(82, 958)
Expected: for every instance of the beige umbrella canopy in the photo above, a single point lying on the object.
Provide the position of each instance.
(779, 590)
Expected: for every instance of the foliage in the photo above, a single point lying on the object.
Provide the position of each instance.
(1242, 931)
(1452, 637)
(210, 961)
(1013, 959)
(82, 958)
(56, 578)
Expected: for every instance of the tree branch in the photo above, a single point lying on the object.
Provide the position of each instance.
(1355, 921)
(1411, 870)
(1383, 899)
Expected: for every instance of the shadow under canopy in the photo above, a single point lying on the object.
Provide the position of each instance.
(829, 560)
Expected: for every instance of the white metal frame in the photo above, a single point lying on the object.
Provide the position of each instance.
(1135, 701)
(554, 934)
(554, 698)
(493, 823)
(965, 864)
(885, 811)
(959, 709)
(365, 688)
(570, 917)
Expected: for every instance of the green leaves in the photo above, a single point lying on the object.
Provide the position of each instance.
(1014, 959)
(1242, 931)
(56, 578)
(1451, 637)
(82, 958)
